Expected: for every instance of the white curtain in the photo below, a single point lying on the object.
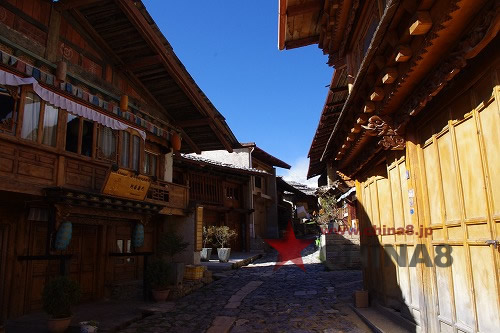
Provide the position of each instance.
(50, 125)
(107, 143)
(136, 152)
(31, 117)
(125, 149)
(53, 98)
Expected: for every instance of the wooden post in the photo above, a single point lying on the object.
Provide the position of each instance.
(53, 35)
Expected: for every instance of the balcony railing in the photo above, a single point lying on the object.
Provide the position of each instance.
(173, 195)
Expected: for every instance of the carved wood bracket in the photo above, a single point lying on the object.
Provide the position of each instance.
(383, 127)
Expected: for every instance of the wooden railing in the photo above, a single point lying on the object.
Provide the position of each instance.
(174, 195)
(29, 168)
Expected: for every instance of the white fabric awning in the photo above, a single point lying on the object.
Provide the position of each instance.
(62, 102)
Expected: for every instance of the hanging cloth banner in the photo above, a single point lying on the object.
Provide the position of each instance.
(57, 100)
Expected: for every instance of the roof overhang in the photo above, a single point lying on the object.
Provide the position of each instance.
(128, 35)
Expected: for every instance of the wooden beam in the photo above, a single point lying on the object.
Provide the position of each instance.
(339, 89)
(194, 123)
(293, 44)
(369, 107)
(403, 53)
(304, 8)
(390, 75)
(190, 142)
(282, 24)
(421, 23)
(142, 62)
(377, 94)
(171, 64)
(336, 104)
(63, 5)
(53, 35)
(221, 137)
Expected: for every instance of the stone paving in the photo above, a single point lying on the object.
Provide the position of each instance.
(256, 298)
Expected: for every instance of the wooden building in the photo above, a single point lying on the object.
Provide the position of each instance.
(92, 102)
(413, 117)
(220, 193)
(262, 192)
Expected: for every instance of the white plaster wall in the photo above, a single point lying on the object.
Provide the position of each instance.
(239, 157)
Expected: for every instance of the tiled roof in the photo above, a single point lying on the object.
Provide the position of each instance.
(221, 164)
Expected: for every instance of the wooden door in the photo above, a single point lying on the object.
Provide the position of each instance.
(384, 204)
(124, 268)
(38, 271)
(235, 222)
(459, 158)
(84, 261)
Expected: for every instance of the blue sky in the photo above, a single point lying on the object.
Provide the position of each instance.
(270, 97)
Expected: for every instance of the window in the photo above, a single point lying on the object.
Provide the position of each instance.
(31, 119)
(150, 164)
(39, 121)
(130, 151)
(87, 137)
(106, 149)
(258, 182)
(125, 149)
(8, 110)
(79, 135)
(72, 133)
(136, 152)
(50, 116)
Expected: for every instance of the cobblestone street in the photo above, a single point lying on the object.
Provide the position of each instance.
(257, 299)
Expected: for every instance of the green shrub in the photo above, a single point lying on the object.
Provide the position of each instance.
(157, 275)
(59, 295)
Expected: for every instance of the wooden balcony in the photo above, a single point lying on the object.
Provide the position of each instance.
(176, 197)
(29, 168)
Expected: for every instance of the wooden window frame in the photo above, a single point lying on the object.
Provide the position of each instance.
(63, 131)
(132, 133)
(16, 96)
(97, 149)
(146, 152)
(20, 113)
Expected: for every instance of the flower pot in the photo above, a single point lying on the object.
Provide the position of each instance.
(205, 254)
(176, 273)
(58, 325)
(223, 254)
(85, 327)
(160, 295)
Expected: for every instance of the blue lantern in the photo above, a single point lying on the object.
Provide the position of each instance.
(138, 236)
(63, 236)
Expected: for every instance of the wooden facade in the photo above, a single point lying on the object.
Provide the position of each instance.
(418, 130)
(221, 195)
(90, 92)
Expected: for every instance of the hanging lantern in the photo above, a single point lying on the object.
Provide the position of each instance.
(176, 142)
(138, 235)
(63, 236)
(124, 103)
(62, 68)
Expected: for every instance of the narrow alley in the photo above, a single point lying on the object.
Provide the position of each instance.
(256, 298)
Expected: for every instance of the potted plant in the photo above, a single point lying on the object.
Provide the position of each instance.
(88, 326)
(224, 235)
(208, 234)
(157, 277)
(171, 244)
(59, 294)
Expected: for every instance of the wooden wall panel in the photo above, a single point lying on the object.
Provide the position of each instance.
(489, 127)
(471, 173)
(448, 179)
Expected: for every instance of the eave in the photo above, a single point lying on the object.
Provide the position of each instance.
(150, 63)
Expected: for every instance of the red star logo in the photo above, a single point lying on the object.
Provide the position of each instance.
(289, 248)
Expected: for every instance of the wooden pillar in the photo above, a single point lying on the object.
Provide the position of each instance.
(53, 35)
